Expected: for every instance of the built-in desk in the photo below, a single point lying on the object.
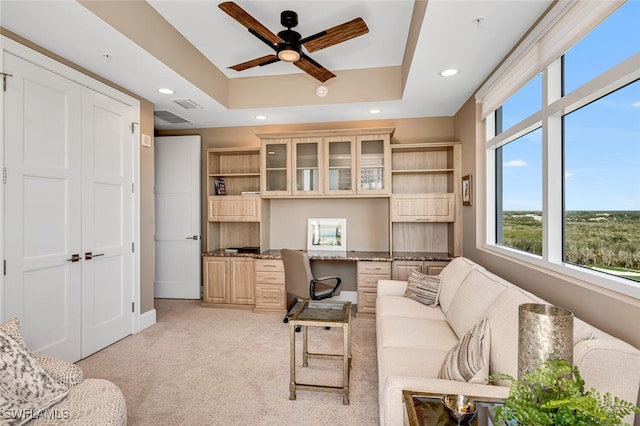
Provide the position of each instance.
(359, 270)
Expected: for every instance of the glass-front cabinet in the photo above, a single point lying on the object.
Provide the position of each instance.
(276, 164)
(373, 174)
(307, 159)
(340, 162)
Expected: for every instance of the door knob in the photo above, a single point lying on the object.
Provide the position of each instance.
(88, 255)
(74, 258)
(195, 237)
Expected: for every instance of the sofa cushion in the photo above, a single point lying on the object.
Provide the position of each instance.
(13, 329)
(503, 319)
(400, 332)
(475, 295)
(423, 288)
(26, 388)
(468, 361)
(400, 306)
(452, 276)
(410, 362)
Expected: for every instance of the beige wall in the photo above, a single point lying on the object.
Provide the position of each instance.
(147, 255)
(612, 312)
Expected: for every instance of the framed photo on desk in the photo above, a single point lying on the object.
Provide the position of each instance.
(326, 234)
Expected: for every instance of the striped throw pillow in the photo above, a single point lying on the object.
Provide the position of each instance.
(468, 361)
(423, 288)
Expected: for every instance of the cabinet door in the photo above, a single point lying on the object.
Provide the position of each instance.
(234, 208)
(434, 267)
(374, 173)
(339, 165)
(216, 283)
(401, 269)
(241, 281)
(423, 207)
(306, 165)
(275, 167)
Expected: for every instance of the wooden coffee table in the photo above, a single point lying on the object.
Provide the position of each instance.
(321, 314)
(426, 409)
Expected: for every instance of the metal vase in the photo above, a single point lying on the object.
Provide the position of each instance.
(545, 333)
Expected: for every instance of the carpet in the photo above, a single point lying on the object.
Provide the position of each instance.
(207, 366)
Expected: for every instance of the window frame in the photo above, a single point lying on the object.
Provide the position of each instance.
(554, 107)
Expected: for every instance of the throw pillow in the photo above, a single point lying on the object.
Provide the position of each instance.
(13, 329)
(423, 288)
(468, 360)
(26, 389)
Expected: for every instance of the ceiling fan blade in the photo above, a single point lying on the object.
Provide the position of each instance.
(255, 27)
(335, 35)
(313, 68)
(264, 60)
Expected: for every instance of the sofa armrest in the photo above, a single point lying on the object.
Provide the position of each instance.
(392, 414)
(63, 372)
(391, 287)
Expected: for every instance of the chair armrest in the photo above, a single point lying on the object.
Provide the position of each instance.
(312, 288)
(391, 288)
(63, 372)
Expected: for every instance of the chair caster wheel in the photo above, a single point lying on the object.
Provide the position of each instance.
(285, 320)
(298, 328)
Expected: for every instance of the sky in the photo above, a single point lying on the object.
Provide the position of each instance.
(602, 139)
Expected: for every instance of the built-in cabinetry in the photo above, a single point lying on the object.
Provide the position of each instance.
(368, 273)
(270, 292)
(332, 163)
(425, 200)
(234, 208)
(228, 282)
(400, 268)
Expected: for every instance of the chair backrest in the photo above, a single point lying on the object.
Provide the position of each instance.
(297, 272)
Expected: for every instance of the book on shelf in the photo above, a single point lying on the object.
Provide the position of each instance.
(219, 186)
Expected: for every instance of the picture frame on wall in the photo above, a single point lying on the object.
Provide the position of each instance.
(466, 190)
(326, 235)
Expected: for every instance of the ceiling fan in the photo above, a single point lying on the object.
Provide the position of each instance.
(288, 43)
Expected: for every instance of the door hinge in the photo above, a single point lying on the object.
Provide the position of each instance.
(4, 80)
(4, 175)
(4, 267)
(133, 127)
(133, 306)
(133, 248)
(133, 188)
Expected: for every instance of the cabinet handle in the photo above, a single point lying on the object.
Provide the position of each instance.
(269, 266)
(74, 258)
(423, 219)
(195, 237)
(88, 255)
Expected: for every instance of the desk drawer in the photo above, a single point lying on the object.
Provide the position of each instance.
(370, 281)
(367, 301)
(269, 297)
(374, 268)
(270, 277)
(269, 265)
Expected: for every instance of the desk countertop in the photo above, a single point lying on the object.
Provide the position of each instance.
(378, 256)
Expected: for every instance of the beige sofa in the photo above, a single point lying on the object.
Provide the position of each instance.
(413, 340)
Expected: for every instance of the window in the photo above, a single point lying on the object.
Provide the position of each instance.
(602, 184)
(563, 175)
(519, 193)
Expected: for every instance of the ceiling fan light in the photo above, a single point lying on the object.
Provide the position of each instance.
(288, 55)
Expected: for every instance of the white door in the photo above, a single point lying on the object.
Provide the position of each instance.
(177, 212)
(107, 221)
(43, 207)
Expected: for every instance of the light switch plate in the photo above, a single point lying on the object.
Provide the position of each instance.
(146, 141)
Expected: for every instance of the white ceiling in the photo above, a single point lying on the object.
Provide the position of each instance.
(448, 38)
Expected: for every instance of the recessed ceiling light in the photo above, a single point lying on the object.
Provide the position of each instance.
(261, 117)
(166, 91)
(449, 72)
(375, 111)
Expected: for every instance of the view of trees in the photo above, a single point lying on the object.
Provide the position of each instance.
(609, 240)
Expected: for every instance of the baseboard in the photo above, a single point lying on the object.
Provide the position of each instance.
(347, 296)
(147, 319)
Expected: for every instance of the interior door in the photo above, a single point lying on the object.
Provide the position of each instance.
(43, 207)
(177, 212)
(107, 221)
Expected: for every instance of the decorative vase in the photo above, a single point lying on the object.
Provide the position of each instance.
(545, 333)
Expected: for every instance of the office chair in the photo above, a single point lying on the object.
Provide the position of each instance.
(300, 283)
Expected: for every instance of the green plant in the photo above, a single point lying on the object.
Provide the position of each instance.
(554, 394)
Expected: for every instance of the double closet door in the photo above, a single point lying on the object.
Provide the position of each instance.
(69, 212)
